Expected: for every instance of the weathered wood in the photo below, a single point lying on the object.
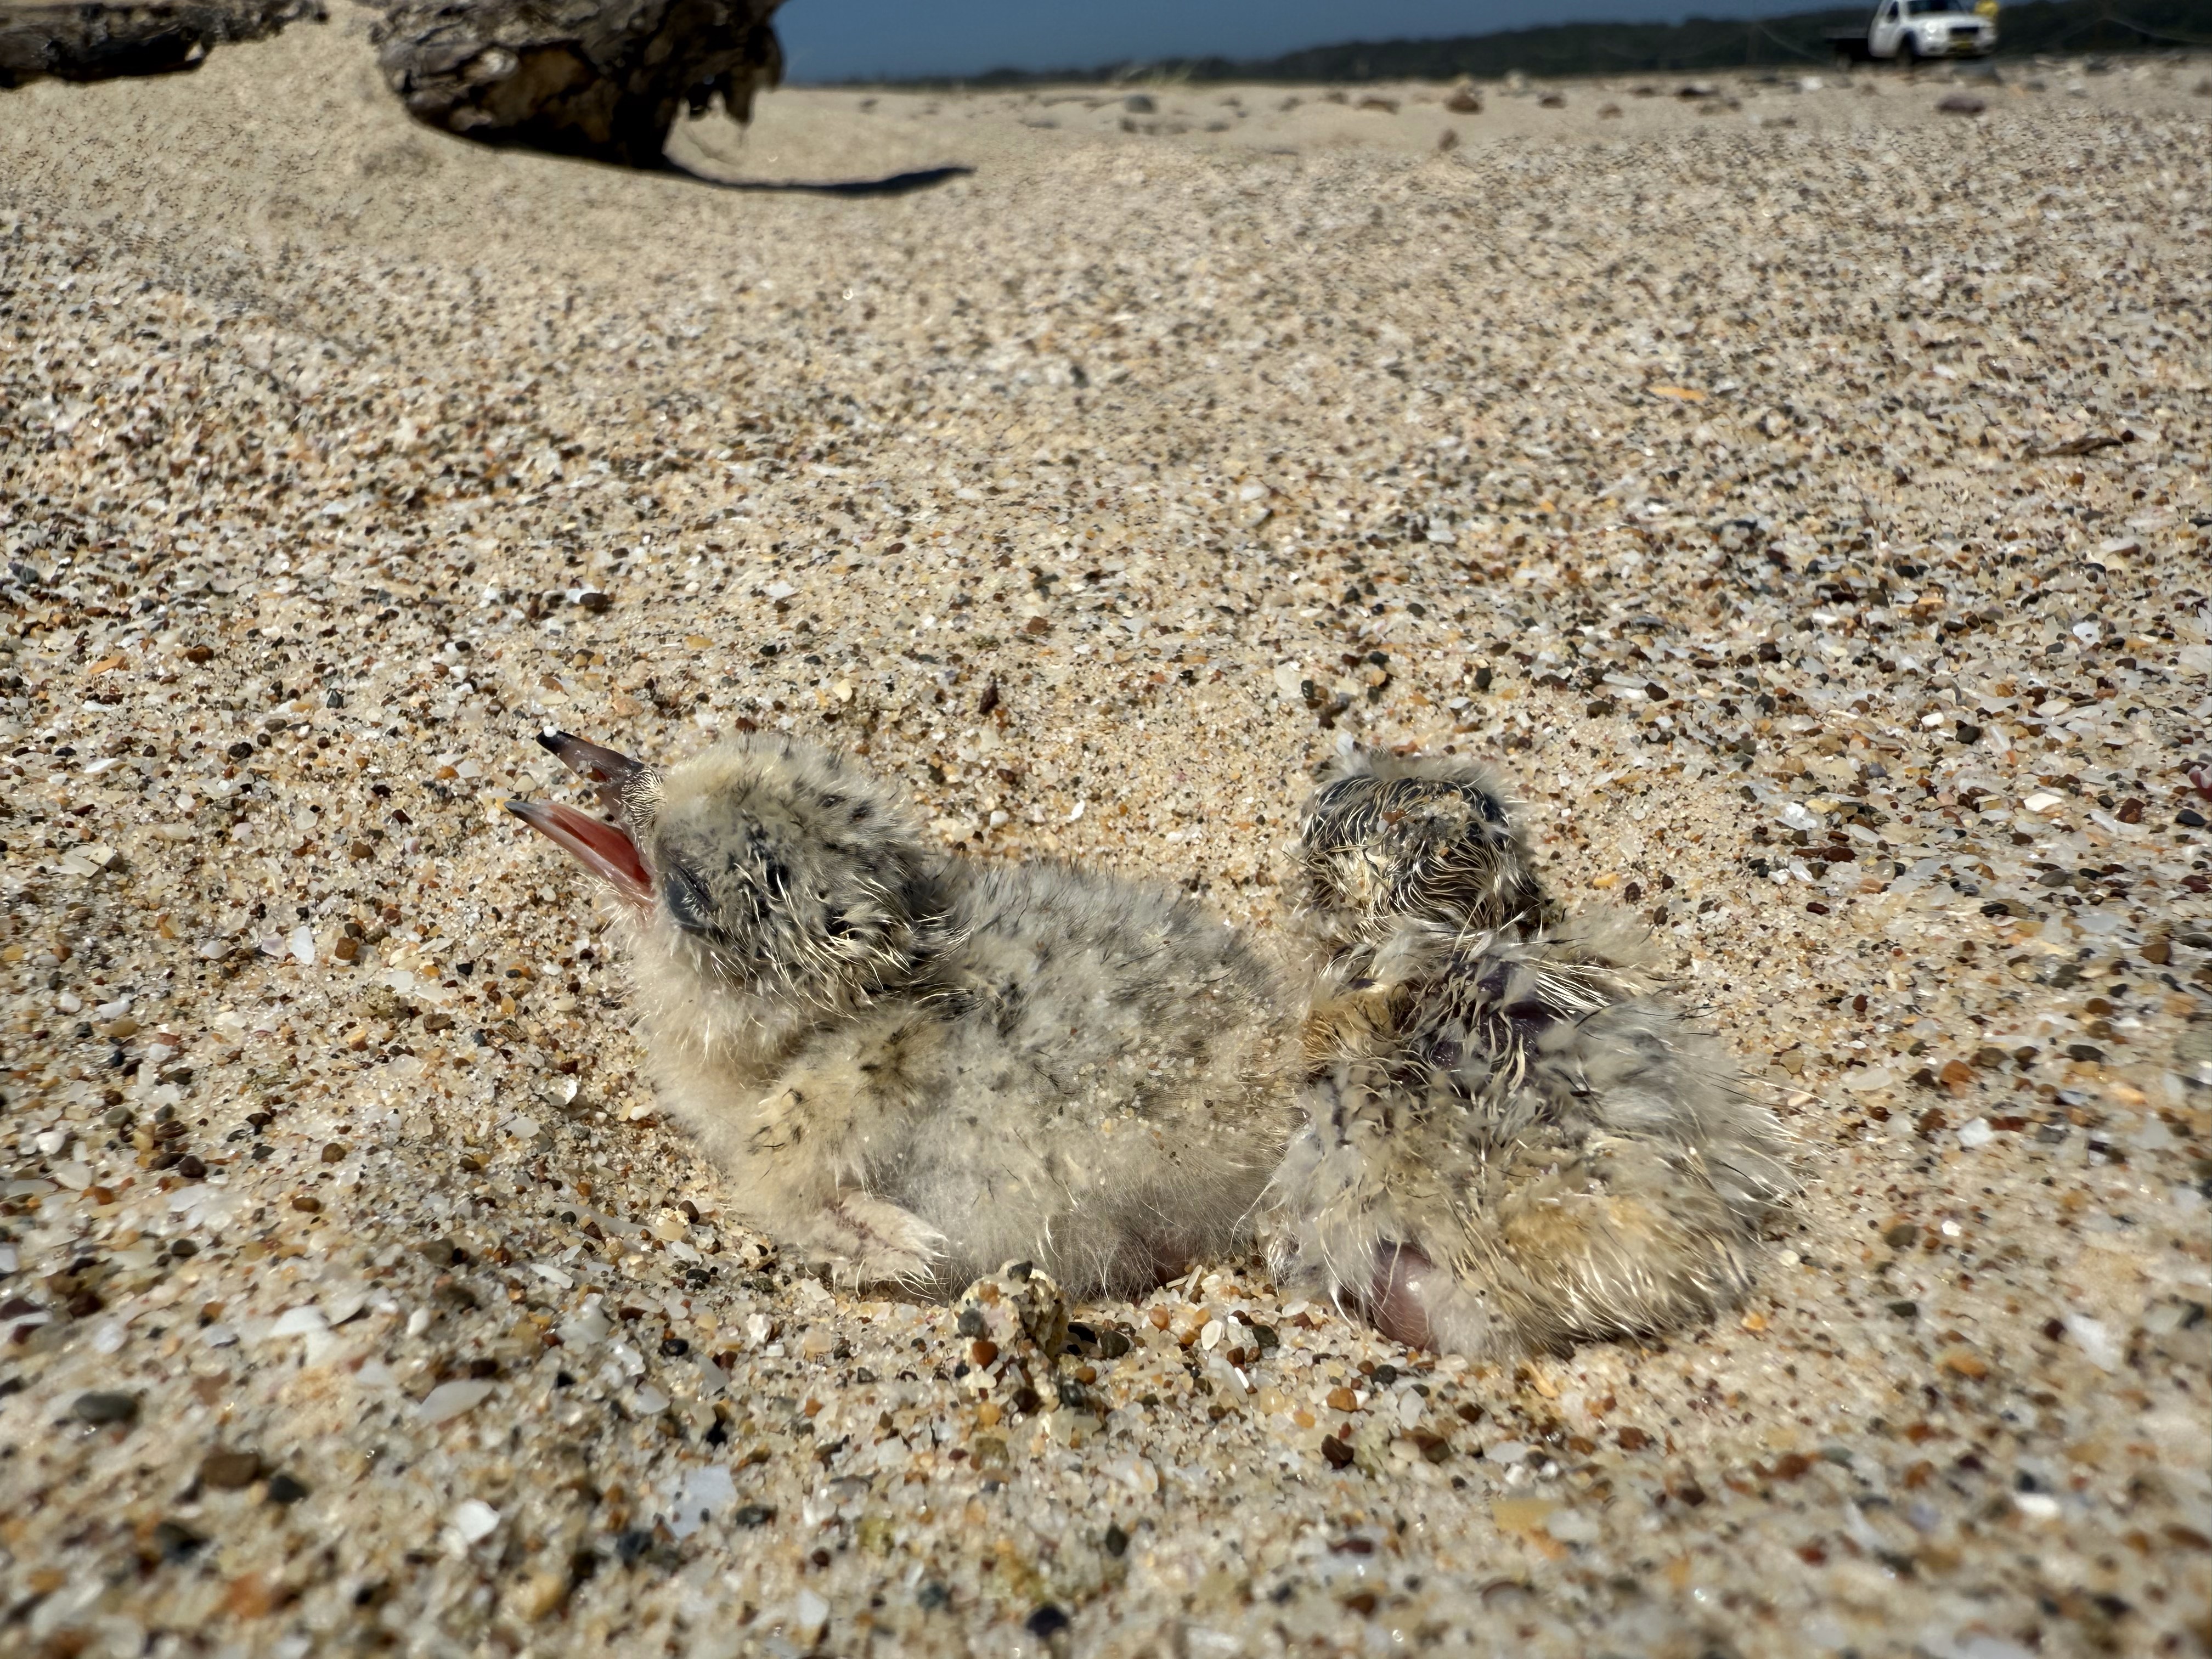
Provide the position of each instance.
(604, 79)
(103, 42)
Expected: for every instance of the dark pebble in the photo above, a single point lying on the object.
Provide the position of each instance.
(1336, 1451)
(283, 1489)
(753, 1515)
(175, 1540)
(2190, 818)
(191, 1168)
(1047, 1621)
(631, 1543)
(101, 1408)
(227, 1471)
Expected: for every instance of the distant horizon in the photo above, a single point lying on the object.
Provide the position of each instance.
(844, 41)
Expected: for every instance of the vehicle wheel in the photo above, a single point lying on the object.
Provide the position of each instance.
(1908, 54)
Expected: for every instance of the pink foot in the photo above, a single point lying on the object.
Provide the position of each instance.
(1393, 1299)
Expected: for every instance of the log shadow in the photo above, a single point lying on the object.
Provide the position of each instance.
(895, 184)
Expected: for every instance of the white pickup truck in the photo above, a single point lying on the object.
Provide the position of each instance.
(1908, 31)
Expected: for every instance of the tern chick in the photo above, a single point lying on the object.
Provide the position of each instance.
(1510, 1142)
(919, 1066)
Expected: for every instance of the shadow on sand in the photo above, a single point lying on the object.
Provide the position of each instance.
(895, 183)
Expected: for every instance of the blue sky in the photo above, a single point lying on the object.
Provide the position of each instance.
(837, 39)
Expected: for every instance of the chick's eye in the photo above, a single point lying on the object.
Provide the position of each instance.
(686, 896)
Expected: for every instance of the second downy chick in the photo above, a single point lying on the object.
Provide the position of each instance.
(1510, 1142)
(919, 1066)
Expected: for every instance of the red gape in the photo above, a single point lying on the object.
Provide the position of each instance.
(607, 852)
(604, 849)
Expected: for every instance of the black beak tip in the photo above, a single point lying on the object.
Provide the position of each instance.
(519, 808)
(551, 742)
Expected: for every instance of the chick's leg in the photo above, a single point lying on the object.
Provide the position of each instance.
(843, 1101)
(804, 1155)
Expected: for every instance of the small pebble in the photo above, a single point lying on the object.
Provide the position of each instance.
(104, 1408)
(229, 1471)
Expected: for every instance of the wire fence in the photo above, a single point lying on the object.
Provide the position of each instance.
(1792, 47)
(2149, 33)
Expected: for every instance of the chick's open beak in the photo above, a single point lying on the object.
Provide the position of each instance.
(607, 852)
(604, 849)
(611, 769)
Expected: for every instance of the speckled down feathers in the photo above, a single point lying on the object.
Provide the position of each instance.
(1504, 1128)
(916, 1067)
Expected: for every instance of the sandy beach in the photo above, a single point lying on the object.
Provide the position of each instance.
(1801, 494)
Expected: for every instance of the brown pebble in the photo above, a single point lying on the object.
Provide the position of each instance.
(307, 1204)
(229, 1471)
(1960, 1362)
(1343, 1399)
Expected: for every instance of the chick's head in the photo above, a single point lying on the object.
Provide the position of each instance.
(1387, 840)
(779, 869)
(790, 869)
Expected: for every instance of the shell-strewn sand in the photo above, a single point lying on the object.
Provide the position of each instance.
(1731, 475)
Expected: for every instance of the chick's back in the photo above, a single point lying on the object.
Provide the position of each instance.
(1114, 1090)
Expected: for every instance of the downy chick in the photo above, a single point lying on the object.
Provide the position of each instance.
(1509, 1142)
(918, 1067)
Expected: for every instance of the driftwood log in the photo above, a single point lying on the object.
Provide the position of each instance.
(96, 42)
(604, 79)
